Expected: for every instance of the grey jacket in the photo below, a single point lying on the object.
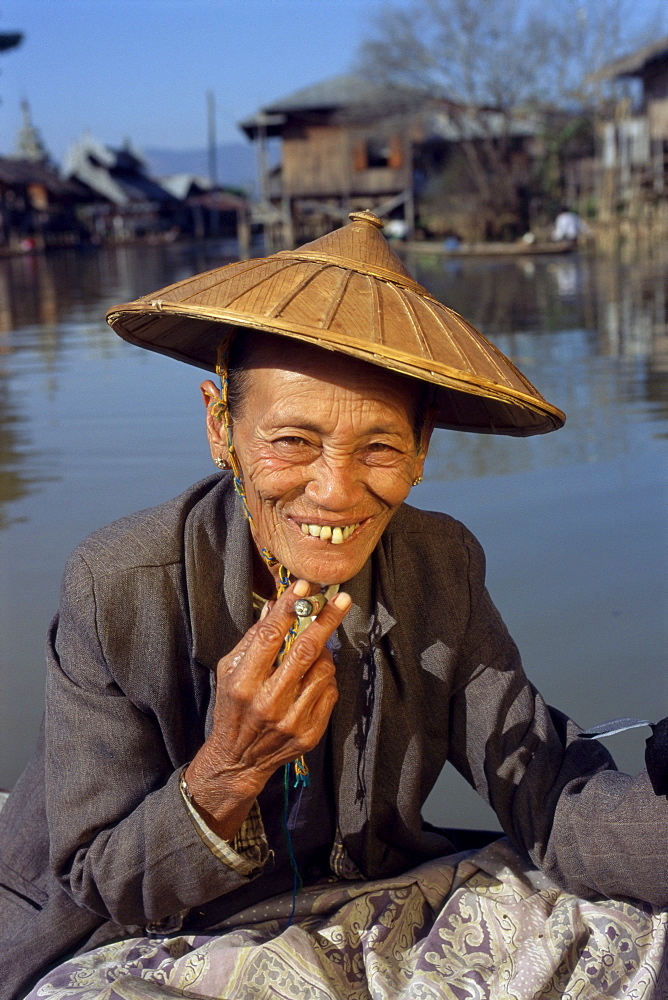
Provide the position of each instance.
(95, 842)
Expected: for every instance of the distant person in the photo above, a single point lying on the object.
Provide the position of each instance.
(253, 688)
(452, 242)
(568, 227)
(396, 229)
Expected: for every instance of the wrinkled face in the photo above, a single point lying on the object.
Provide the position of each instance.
(328, 452)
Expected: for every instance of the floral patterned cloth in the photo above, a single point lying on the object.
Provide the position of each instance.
(468, 927)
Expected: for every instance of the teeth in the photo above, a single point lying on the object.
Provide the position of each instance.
(336, 535)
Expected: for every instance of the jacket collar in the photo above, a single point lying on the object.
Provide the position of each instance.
(218, 571)
(218, 562)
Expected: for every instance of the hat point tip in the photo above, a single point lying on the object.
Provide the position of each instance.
(366, 216)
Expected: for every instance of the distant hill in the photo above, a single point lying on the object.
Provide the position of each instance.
(235, 161)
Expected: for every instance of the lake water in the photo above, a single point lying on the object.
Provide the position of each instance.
(574, 523)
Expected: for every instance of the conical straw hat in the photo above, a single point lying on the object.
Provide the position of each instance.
(346, 292)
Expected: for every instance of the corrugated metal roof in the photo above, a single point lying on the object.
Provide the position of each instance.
(184, 185)
(336, 92)
(345, 92)
(351, 98)
(117, 175)
(138, 187)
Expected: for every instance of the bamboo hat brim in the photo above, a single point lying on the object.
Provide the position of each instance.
(347, 292)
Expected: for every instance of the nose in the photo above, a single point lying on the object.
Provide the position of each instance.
(334, 484)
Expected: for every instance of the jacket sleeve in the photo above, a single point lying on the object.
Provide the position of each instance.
(121, 840)
(593, 830)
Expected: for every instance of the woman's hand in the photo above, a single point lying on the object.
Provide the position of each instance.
(265, 715)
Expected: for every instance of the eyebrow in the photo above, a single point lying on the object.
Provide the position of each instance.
(307, 425)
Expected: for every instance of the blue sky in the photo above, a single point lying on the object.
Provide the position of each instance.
(141, 68)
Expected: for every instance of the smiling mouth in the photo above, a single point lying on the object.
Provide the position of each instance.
(335, 535)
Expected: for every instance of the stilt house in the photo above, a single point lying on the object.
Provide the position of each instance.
(345, 144)
(348, 144)
(634, 140)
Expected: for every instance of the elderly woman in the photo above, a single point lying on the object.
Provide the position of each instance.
(253, 687)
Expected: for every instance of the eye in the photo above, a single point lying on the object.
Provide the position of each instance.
(381, 453)
(292, 447)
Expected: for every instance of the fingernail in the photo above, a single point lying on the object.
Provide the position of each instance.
(342, 601)
(265, 610)
(301, 588)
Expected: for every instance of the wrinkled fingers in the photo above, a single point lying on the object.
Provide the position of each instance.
(315, 715)
(257, 651)
(309, 646)
(320, 676)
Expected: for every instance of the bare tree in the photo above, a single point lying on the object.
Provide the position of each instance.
(475, 52)
(494, 64)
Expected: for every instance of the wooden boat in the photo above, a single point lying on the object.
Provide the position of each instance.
(519, 249)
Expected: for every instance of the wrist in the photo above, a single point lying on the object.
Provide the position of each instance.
(222, 798)
(246, 851)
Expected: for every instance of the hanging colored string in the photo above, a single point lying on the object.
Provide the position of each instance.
(299, 767)
(297, 882)
(221, 410)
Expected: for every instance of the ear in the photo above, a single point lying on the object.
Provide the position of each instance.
(210, 394)
(425, 437)
(215, 429)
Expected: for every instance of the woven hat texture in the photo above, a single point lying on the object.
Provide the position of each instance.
(347, 292)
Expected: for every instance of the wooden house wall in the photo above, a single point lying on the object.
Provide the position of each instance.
(333, 160)
(658, 119)
(314, 161)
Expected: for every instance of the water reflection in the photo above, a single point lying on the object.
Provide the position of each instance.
(590, 333)
(623, 305)
(13, 483)
(51, 317)
(76, 285)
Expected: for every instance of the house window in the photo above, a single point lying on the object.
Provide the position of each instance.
(378, 153)
(372, 153)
